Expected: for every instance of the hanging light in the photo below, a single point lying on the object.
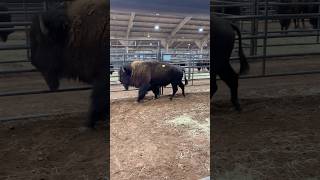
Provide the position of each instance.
(200, 30)
(156, 27)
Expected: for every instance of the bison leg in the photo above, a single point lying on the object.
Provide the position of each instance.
(174, 90)
(143, 91)
(98, 109)
(181, 85)
(213, 85)
(156, 92)
(231, 79)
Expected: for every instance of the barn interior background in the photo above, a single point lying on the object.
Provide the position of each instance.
(182, 40)
(279, 96)
(176, 39)
(271, 49)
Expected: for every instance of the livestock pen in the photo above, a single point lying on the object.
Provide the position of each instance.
(274, 137)
(41, 131)
(160, 139)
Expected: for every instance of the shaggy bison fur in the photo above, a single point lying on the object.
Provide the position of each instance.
(151, 75)
(71, 42)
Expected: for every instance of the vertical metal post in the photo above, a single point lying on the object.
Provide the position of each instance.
(254, 28)
(265, 38)
(318, 23)
(25, 9)
(189, 62)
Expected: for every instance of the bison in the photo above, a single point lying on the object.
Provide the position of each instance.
(284, 9)
(314, 20)
(203, 64)
(222, 40)
(297, 9)
(151, 75)
(5, 18)
(71, 42)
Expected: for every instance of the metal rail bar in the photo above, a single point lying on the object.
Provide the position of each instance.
(43, 91)
(37, 116)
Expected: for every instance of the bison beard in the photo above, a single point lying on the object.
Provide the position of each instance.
(222, 42)
(151, 75)
(5, 18)
(71, 42)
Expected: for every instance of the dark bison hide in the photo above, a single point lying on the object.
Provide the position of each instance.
(222, 40)
(297, 9)
(5, 18)
(314, 21)
(71, 42)
(151, 75)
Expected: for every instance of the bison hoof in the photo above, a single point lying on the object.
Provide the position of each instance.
(237, 108)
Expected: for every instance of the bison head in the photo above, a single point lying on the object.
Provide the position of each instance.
(125, 76)
(48, 37)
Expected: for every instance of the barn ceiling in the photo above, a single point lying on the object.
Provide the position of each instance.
(173, 31)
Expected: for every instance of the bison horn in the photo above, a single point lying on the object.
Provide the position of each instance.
(43, 28)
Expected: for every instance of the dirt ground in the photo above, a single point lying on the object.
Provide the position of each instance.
(52, 148)
(160, 139)
(276, 136)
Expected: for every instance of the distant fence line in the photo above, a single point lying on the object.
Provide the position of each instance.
(259, 22)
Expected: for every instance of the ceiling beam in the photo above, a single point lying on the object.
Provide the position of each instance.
(130, 25)
(179, 26)
(205, 39)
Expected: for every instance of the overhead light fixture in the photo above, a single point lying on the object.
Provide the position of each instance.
(148, 35)
(156, 27)
(189, 44)
(200, 30)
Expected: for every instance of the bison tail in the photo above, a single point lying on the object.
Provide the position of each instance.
(244, 66)
(185, 78)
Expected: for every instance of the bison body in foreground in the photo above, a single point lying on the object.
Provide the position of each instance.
(71, 42)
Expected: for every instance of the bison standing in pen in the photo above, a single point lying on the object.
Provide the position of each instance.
(151, 75)
(71, 42)
(222, 42)
(5, 18)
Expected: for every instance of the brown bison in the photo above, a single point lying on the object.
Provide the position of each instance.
(5, 18)
(151, 75)
(71, 41)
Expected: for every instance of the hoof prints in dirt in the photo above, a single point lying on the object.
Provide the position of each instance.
(160, 138)
(270, 139)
